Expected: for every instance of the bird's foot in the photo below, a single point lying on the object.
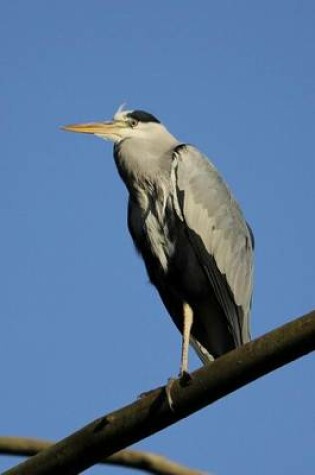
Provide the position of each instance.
(168, 387)
(185, 379)
(146, 393)
(150, 391)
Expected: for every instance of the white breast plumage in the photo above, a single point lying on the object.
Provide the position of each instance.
(157, 234)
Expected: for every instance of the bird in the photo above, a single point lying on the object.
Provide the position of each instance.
(197, 247)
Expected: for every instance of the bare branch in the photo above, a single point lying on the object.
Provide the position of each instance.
(146, 461)
(150, 414)
(150, 462)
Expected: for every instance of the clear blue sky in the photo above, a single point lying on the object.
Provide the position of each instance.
(82, 331)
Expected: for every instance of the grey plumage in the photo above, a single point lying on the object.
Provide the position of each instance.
(184, 221)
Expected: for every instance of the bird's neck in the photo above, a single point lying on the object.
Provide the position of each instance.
(144, 164)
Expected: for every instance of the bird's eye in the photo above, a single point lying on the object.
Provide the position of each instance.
(133, 122)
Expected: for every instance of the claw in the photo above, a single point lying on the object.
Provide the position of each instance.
(185, 380)
(168, 388)
(146, 393)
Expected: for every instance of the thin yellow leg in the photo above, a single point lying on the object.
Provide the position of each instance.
(188, 321)
(188, 317)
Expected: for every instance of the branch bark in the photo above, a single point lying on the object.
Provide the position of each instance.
(146, 461)
(151, 413)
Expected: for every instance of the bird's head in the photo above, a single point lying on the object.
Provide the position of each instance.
(126, 124)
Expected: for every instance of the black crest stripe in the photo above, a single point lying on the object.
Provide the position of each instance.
(142, 116)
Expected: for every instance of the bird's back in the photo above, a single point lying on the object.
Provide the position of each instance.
(198, 249)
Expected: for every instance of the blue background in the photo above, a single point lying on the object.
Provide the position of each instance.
(82, 331)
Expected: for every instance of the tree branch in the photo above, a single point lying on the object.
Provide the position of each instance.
(146, 461)
(151, 413)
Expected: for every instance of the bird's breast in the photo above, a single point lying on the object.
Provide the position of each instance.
(161, 239)
(151, 232)
(157, 235)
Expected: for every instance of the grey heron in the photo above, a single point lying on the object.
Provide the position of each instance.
(196, 245)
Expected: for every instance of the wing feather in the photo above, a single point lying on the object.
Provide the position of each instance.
(221, 238)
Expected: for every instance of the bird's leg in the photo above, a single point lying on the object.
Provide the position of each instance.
(188, 317)
(187, 324)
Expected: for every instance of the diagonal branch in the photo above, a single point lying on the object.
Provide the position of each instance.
(150, 414)
(146, 461)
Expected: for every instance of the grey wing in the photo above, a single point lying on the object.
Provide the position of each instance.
(217, 230)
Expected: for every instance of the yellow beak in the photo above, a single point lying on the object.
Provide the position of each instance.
(112, 130)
